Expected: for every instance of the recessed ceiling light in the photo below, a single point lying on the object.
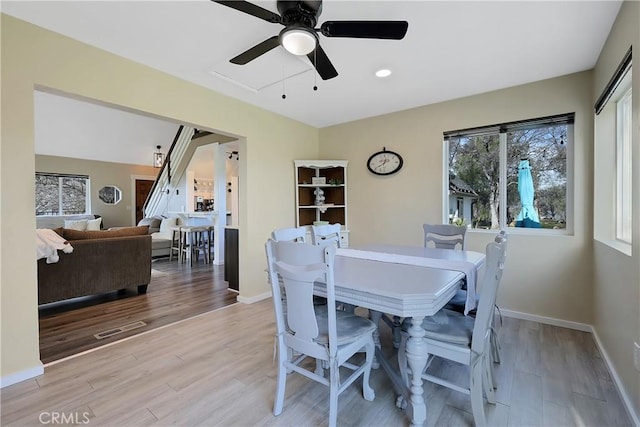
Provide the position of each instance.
(383, 73)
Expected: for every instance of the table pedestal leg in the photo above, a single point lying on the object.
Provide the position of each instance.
(375, 317)
(416, 351)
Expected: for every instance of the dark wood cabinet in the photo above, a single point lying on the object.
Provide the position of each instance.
(231, 267)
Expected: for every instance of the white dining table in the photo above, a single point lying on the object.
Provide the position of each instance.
(404, 290)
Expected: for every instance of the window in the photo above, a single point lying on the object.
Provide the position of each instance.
(623, 167)
(612, 160)
(58, 194)
(509, 175)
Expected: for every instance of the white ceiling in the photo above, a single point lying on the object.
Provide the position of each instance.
(452, 49)
(82, 130)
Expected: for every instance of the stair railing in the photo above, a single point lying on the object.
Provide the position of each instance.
(160, 191)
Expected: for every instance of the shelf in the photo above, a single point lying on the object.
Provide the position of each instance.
(335, 195)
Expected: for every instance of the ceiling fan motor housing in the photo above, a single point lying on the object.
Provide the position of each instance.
(304, 13)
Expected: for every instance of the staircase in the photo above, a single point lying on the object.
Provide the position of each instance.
(175, 164)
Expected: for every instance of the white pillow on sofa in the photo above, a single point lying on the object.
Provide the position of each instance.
(76, 224)
(166, 229)
(94, 224)
(167, 224)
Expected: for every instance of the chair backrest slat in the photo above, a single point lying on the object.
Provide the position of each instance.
(444, 236)
(290, 234)
(325, 234)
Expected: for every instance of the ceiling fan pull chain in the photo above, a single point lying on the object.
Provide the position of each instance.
(284, 96)
(315, 72)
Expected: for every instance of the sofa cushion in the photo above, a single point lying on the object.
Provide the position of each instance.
(167, 224)
(53, 221)
(162, 236)
(160, 244)
(71, 234)
(75, 224)
(153, 222)
(94, 224)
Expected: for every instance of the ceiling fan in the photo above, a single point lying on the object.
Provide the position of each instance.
(299, 36)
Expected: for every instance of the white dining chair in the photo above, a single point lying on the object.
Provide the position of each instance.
(459, 300)
(290, 234)
(444, 236)
(328, 335)
(325, 234)
(463, 339)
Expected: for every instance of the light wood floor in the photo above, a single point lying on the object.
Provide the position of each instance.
(176, 292)
(217, 369)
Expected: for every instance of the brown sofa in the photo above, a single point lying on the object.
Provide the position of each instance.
(101, 261)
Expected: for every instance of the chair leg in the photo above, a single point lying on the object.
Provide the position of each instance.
(397, 331)
(375, 317)
(477, 402)
(282, 378)
(334, 386)
(367, 391)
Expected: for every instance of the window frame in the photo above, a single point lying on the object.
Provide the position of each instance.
(502, 130)
(609, 194)
(60, 178)
(624, 183)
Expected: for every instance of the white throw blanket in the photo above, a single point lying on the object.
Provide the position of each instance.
(48, 242)
(468, 268)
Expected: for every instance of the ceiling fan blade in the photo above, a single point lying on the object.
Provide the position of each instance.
(252, 9)
(259, 49)
(393, 30)
(323, 65)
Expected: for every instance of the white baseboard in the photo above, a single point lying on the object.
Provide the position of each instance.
(256, 298)
(628, 404)
(548, 320)
(22, 376)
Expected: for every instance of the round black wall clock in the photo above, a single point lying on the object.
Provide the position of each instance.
(384, 162)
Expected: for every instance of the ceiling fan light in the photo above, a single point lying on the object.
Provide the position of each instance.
(298, 41)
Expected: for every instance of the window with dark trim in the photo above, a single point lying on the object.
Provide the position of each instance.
(510, 174)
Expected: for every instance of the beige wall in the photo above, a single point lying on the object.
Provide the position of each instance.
(617, 276)
(101, 174)
(545, 275)
(33, 58)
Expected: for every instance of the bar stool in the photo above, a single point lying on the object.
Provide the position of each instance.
(176, 244)
(210, 242)
(193, 241)
(200, 243)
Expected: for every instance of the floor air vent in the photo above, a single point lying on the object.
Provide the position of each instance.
(119, 330)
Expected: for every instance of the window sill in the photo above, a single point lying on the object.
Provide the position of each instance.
(539, 232)
(623, 247)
